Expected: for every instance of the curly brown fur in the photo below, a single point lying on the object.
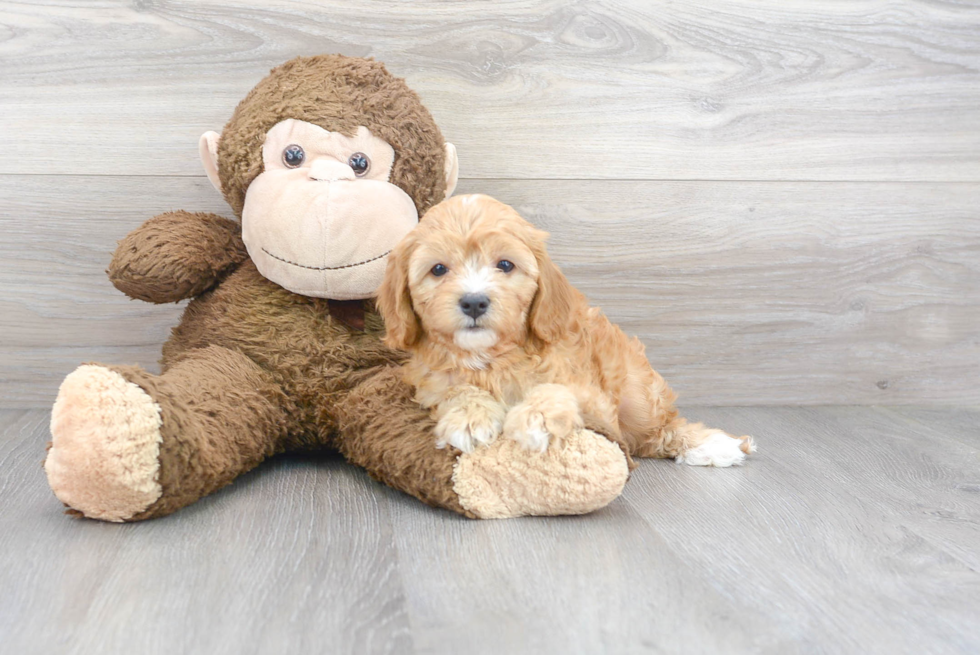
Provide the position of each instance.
(224, 415)
(391, 437)
(350, 92)
(535, 352)
(176, 255)
(305, 350)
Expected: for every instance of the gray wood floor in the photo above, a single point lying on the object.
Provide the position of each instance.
(854, 530)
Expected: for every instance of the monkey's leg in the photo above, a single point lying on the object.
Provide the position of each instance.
(386, 432)
(128, 445)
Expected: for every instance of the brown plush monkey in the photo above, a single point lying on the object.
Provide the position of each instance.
(328, 162)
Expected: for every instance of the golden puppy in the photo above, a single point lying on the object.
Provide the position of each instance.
(501, 342)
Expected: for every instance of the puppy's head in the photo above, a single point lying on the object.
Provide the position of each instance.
(473, 274)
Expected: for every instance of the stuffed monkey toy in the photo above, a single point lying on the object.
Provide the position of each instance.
(327, 163)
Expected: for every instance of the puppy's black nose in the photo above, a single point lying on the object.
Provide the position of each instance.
(474, 305)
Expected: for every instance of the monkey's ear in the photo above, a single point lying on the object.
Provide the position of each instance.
(452, 169)
(208, 148)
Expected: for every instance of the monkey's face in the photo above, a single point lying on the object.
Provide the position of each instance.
(322, 217)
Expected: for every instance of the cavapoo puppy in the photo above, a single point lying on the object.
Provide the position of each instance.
(501, 343)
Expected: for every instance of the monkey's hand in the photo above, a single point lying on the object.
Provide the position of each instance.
(176, 255)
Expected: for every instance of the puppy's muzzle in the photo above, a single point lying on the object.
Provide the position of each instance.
(474, 305)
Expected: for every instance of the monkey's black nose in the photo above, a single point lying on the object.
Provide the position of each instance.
(474, 305)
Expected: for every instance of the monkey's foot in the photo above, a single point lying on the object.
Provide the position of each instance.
(104, 456)
(578, 474)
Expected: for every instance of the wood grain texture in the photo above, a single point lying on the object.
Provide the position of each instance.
(602, 583)
(781, 199)
(853, 530)
(588, 117)
(745, 293)
(842, 507)
(299, 552)
(734, 89)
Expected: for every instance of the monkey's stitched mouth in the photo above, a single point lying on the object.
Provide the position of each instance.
(326, 268)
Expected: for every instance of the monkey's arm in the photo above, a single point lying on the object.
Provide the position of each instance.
(383, 429)
(176, 255)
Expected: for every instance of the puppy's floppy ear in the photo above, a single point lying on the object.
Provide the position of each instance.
(402, 325)
(551, 308)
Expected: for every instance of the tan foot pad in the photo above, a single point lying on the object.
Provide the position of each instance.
(105, 445)
(577, 475)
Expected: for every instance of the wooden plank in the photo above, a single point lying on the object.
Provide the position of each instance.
(936, 497)
(844, 531)
(920, 474)
(299, 552)
(733, 89)
(959, 423)
(745, 293)
(847, 532)
(601, 583)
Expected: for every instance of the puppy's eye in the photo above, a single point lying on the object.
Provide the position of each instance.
(439, 270)
(505, 266)
(360, 163)
(293, 156)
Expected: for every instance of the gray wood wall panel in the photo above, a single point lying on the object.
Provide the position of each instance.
(745, 293)
(782, 200)
(731, 89)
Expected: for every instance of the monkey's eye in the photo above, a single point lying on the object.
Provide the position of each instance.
(505, 266)
(439, 270)
(360, 163)
(293, 156)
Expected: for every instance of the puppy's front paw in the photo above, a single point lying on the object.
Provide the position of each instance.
(543, 416)
(470, 426)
